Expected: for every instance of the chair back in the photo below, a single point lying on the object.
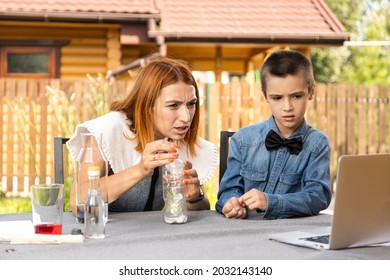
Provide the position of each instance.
(224, 151)
(59, 143)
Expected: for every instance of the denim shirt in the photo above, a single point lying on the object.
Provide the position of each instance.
(294, 185)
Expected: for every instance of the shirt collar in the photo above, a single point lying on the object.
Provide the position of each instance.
(299, 132)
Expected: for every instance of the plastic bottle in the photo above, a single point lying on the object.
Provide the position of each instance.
(175, 208)
(90, 154)
(94, 206)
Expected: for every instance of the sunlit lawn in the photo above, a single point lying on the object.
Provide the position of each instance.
(19, 204)
(14, 204)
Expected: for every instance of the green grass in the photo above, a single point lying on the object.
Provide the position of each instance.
(18, 204)
(14, 204)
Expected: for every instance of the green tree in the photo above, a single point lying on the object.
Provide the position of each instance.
(365, 20)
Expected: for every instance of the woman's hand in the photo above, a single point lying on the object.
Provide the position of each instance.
(195, 200)
(155, 154)
(191, 180)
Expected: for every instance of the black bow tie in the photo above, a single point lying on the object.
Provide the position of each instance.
(273, 141)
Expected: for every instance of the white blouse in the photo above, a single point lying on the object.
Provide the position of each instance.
(113, 127)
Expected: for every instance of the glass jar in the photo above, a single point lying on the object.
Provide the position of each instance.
(90, 154)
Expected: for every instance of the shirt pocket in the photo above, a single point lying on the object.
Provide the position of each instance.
(289, 183)
(254, 179)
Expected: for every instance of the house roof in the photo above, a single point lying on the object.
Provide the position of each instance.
(78, 10)
(258, 21)
(93, 6)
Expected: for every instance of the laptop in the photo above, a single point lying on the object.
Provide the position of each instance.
(361, 215)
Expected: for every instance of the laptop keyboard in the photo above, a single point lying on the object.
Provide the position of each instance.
(320, 239)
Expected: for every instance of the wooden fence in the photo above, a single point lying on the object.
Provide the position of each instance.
(33, 112)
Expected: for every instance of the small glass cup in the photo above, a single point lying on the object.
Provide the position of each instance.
(47, 208)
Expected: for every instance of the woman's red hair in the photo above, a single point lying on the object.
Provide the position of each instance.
(138, 104)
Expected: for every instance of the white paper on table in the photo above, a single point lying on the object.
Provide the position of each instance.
(24, 227)
(22, 232)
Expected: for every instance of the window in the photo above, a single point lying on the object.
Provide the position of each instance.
(25, 62)
(30, 59)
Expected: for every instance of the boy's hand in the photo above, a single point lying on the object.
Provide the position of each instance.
(254, 199)
(234, 209)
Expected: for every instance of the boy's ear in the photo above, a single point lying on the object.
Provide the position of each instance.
(265, 97)
(311, 91)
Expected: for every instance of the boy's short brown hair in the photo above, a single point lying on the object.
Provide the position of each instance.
(287, 62)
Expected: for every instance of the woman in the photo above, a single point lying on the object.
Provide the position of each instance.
(155, 123)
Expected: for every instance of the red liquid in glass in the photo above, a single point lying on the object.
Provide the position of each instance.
(48, 229)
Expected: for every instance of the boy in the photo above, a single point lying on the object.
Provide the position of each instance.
(279, 167)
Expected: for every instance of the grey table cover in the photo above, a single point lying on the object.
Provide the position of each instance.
(206, 236)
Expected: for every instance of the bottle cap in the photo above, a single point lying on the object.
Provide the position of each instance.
(94, 171)
(76, 231)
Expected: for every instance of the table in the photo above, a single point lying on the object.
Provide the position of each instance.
(206, 236)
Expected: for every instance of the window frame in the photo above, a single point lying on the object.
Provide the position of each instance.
(51, 48)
